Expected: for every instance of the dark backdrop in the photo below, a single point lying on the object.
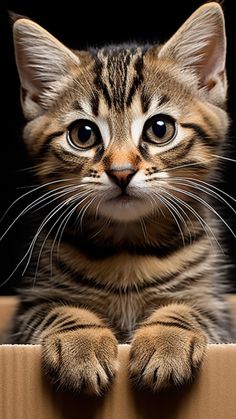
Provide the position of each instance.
(77, 26)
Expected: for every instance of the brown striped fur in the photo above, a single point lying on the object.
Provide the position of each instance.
(146, 268)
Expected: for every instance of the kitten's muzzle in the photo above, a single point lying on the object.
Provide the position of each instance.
(121, 177)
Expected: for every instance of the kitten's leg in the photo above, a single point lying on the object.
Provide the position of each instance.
(169, 346)
(78, 351)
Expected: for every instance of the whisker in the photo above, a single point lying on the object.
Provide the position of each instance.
(99, 203)
(206, 190)
(47, 195)
(175, 202)
(42, 225)
(206, 228)
(207, 205)
(30, 192)
(172, 211)
(144, 230)
(107, 222)
(153, 204)
(84, 211)
(64, 223)
(26, 169)
(182, 166)
(73, 198)
(56, 196)
(213, 187)
(46, 237)
(224, 158)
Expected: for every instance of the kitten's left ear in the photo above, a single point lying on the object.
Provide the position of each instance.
(43, 65)
(200, 45)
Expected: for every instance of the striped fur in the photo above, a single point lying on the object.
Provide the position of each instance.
(145, 269)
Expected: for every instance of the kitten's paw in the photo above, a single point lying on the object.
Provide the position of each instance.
(84, 360)
(162, 356)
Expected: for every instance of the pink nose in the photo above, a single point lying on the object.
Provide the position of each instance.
(121, 177)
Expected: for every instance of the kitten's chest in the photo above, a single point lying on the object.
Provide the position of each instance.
(123, 289)
(124, 312)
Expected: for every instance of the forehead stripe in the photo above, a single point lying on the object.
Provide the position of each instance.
(137, 81)
(98, 67)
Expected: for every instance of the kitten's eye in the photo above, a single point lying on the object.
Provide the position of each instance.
(83, 134)
(159, 129)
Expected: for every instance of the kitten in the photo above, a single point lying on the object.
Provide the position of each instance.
(124, 140)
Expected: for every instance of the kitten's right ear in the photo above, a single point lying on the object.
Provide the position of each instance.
(43, 64)
(200, 46)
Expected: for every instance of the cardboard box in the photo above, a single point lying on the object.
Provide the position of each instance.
(25, 394)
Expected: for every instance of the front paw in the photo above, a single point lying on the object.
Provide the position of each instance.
(162, 356)
(84, 360)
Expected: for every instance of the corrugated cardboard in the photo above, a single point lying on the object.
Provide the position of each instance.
(25, 394)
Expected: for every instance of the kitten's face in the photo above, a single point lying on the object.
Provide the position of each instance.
(123, 125)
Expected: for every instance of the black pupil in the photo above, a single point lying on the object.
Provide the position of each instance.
(159, 128)
(84, 133)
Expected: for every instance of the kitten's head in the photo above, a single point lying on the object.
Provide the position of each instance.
(120, 129)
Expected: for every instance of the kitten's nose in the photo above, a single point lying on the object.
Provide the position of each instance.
(121, 177)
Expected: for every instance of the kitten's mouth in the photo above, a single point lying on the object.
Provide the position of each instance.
(123, 197)
(126, 206)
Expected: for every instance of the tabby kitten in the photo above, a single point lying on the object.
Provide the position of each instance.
(125, 140)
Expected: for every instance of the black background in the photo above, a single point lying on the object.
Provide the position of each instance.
(78, 26)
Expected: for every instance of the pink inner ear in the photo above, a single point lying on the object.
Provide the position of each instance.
(210, 84)
(211, 63)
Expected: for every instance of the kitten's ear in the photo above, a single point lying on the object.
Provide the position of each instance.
(42, 62)
(200, 45)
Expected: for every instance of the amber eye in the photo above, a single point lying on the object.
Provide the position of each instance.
(159, 130)
(83, 134)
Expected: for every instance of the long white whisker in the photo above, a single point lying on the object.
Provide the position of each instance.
(207, 205)
(224, 158)
(172, 211)
(210, 188)
(56, 196)
(144, 230)
(182, 166)
(204, 203)
(207, 191)
(206, 228)
(30, 248)
(50, 230)
(99, 203)
(42, 198)
(106, 223)
(107, 220)
(156, 209)
(84, 211)
(42, 225)
(30, 192)
(64, 222)
(176, 202)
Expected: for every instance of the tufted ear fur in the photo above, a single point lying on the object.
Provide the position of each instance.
(200, 46)
(43, 64)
